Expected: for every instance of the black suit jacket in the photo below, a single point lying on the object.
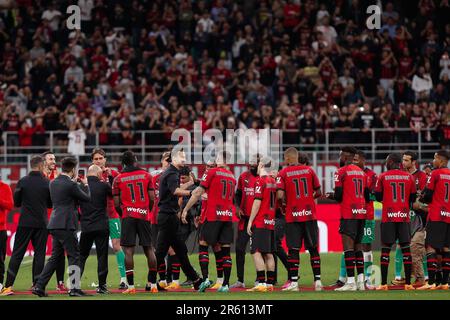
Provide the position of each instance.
(93, 213)
(65, 195)
(32, 196)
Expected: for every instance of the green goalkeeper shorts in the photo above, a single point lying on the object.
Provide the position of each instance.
(369, 232)
(114, 228)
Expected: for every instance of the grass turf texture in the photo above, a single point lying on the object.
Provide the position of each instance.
(330, 269)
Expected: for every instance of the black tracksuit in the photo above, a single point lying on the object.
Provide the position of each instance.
(95, 228)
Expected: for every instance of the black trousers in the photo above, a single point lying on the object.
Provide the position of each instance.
(241, 247)
(63, 240)
(3, 239)
(280, 227)
(38, 238)
(168, 225)
(101, 239)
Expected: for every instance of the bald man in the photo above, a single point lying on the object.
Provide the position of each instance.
(95, 226)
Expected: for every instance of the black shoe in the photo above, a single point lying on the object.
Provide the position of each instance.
(147, 287)
(102, 289)
(40, 293)
(338, 284)
(187, 283)
(123, 286)
(78, 293)
(197, 283)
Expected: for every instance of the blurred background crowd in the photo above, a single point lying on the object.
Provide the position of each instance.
(302, 66)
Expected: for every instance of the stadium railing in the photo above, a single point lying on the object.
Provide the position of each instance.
(377, 143)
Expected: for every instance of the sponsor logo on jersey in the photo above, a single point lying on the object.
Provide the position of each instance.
(249, 191)
(359, 211)
(445, 213)
(269, 222)
(226, 213)
(137, 210)
(397, 214)
(302, 213)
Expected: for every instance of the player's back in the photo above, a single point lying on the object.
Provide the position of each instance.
(397, 187)
(299, 183)
(353, 181)
(371, 182)
(265, 190)
(439, 208)
(132, 185)
(220, 184)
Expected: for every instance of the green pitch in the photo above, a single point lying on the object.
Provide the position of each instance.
(330, 269)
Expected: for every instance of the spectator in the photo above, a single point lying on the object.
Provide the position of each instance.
(422, 84)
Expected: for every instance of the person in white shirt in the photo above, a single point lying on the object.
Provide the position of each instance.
(422, 84)
(53, 16)
(329, 33)
(76, 136)
(206, 22)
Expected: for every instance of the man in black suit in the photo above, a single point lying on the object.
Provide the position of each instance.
(95, 225)
(32, 196)
(65, 194)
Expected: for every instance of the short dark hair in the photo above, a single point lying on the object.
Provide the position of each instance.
(47, 153)
(412, 154)
(303, 158)
(444, 154)
(128, 158)
(98, 151)
(361, 154)
(395, 158)
(350, 150)
(68, 164)
(185, 171)
(35, 161)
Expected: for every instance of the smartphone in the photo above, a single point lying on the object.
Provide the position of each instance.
(81, 173)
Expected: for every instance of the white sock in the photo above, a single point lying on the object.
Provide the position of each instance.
(164, 282)
(131, 286)
(350, 280)
(342, 279)
(219, 280)
(176, 281)
(361, 277)
(123, 280)
(368, 256)
(317, 282)
(398, 278)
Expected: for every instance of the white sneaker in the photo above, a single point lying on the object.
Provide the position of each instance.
(347, 287)
(361, 286)
(238, 284)
(293, 286)
(318, 285)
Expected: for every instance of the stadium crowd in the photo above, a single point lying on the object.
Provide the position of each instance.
(160, 65)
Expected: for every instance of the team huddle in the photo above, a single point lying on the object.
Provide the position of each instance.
(162, 208)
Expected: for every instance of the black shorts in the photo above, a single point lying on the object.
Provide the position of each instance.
(438, 234)
(213, 232)
(154, 233)
(306, 232)
(354, 228)
(262, 241)
(132, 227)
(393, 231)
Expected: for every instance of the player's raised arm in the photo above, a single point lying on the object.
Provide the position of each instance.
(195, 196)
